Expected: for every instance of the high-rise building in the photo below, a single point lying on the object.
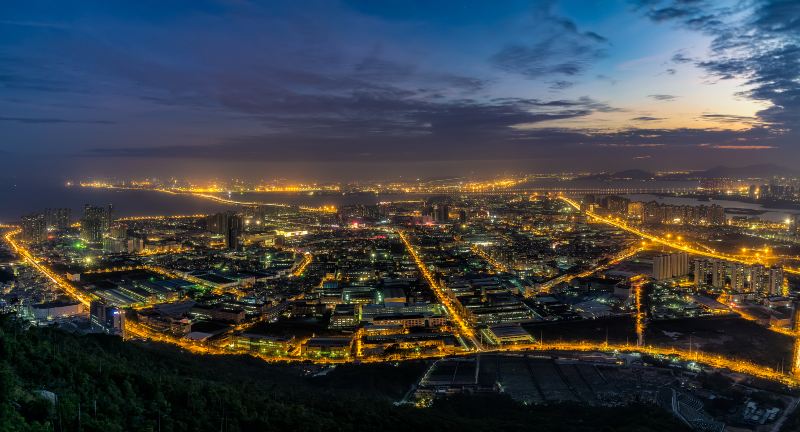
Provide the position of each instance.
(718, 274)
(57, 218)
(700, 273)
(737, 277)
(794, 225)
(753, 192)
(105, 318)
(117, 240)
(442, 214)
(661, 270)
(775, 284)
(34, 228)
(758, 280)
(615, 204)
(636, 210)
(716, 215)
(227, 224)
(135, 244)
(670, 266)
(95, 223)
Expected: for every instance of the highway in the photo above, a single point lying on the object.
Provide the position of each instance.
(463, 326)
(60, 282)
(307, 258)
(627, 253)
(664, 241)
(493, 262)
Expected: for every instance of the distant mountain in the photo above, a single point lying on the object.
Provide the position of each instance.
(631, 174)
(749, 171)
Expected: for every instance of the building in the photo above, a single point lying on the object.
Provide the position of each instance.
(95, 223)
(700, 273)
(505, 334)
(718, 274)
(670, 266)
(105, 318)
(656, 213)
(737, 277)
(442, 213)
(264, 344)
(615, 204)
(57, 218)
(117, 240)
(345, 316)
(775, 281)
(34, 228)
(135, 244)
(636, 210)
(59, 309)
(228, 225)
(327, 347)
(758, 279)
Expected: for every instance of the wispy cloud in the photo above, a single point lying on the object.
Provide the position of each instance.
(737, 147)
(52, 120)
(662, 97)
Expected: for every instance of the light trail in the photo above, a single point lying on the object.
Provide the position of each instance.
(444, 299)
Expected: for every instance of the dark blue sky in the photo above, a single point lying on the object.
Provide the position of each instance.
(364, 89)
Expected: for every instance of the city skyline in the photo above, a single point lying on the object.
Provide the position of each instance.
(361, 90)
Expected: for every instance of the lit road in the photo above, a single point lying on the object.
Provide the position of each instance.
(208, 196)
(499, 267)
(637, 291)
(307, 258)
(664, 241)
(137, 330)
(464, 329)
(62, 284)
(627, 253)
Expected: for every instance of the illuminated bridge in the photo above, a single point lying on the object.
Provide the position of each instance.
(577, 191)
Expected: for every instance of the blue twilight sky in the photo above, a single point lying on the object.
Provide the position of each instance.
(363, 89)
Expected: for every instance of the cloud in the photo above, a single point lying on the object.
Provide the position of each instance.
(754, 41)
(607, 79)
(51, 120)
(561, 85)
(671, 71)
(740, 147)
(729, 118)
(647, 118)
(556, 47)
(452, 143)
(681, 58)
(662, 97)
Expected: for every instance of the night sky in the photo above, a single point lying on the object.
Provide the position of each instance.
(368, 89)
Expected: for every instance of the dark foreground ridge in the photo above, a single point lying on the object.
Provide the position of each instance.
(103, 384)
